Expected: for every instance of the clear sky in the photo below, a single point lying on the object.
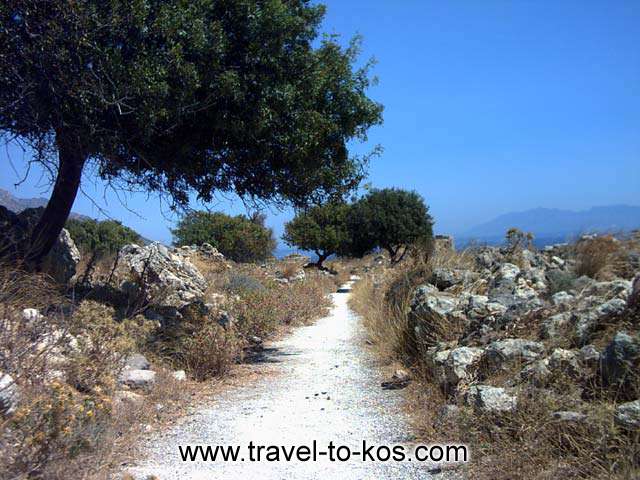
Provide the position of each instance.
(490, 107)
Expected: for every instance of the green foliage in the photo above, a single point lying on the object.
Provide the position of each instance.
(175, 96)
(237, 238)
(321, 229)
(100, 239)
(390, 218)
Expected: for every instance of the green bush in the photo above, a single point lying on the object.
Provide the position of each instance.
(239, 238)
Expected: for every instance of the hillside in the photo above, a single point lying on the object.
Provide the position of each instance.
(16, 204)
(556, 224)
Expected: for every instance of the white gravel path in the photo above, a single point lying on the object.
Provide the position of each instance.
(327, 390)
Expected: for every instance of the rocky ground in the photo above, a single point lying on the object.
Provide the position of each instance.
(517, 341)
(508, 318)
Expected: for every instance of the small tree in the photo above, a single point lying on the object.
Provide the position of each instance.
(181, 97)
(390, 218)
(239, 238)
(100, 239)
(320, 229)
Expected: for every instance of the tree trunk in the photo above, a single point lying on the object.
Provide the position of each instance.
(71, 160)
(321, 259)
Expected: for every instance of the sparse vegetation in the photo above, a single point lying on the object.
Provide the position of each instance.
(532, 441)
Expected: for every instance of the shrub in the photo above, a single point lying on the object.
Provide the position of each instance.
(211, 351)
(560, 281)
(392, 219)
(518, 240)
(594, 254)
(238, 238)
(262, 312)
(102, 344)
(242, 283)
(321, 229)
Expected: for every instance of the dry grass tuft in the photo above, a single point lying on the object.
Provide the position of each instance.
(595, 255)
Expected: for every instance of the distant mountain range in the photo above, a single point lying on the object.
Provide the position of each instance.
(550, 225)
(16, 205)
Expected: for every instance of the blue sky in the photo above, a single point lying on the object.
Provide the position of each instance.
(490, 107)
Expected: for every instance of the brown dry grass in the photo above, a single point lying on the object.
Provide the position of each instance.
(594, 255)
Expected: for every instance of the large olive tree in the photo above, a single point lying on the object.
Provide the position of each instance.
(179, 96)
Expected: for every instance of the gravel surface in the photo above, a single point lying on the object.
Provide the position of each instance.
(327, 390)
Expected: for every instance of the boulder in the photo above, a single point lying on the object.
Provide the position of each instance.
(628, 415)
(562, 298)
(565, 361)
(137, 361)
(552, 326)
(15, 234)
(9, 395)
(428, 300)
(569, 417)
(618, 288)
(153, 275)
(459, 363)
(488, 257)
(589, 356)
(587, 321)
(209, 251)
(510, 289)
(501, 353)
(138, 379)
(179, 375)
(620, 362)
(537, 373)
(431, 316)
(488, 399)
(61, 262)
(634, 297)
(444, 278)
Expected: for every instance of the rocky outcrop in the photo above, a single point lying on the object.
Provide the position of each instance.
(488, 399)
(9, 395)
(620, 362)
(63, 259)
(15, 235)
(628, 415)
(507, 322)
(162, 281)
